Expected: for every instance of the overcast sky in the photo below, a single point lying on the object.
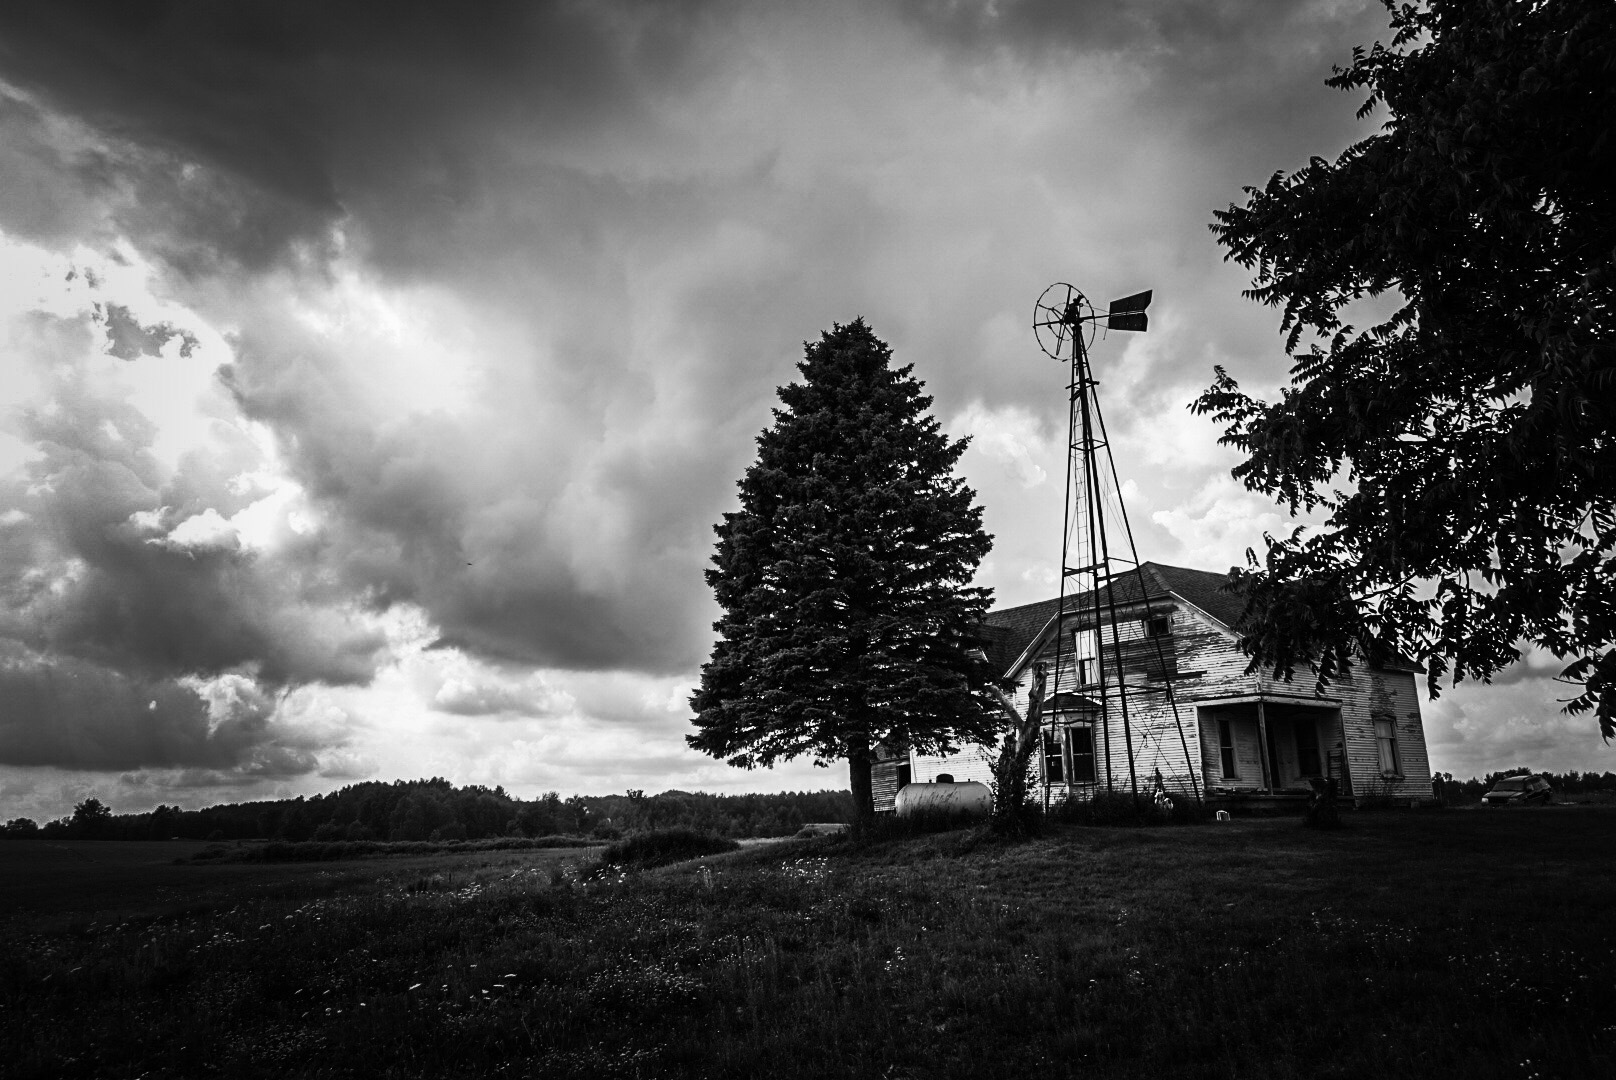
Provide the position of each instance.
(373, 374)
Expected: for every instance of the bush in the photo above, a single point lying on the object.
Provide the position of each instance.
(1321, 812)
(893, 827)
(664, 846)
(1019, 822)
(1120, 808)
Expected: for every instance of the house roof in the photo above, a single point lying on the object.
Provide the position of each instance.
(1011, 630)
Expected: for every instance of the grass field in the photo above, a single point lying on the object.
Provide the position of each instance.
(1459, 943)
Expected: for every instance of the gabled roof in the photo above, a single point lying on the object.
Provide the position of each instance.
(1012, 630)
(1015, 628)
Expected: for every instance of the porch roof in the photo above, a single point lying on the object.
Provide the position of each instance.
(1266, 699)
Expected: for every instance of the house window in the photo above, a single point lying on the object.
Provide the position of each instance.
(905, 776)
(1386, 743)
(1158, 626)
(1085, 648)
(1053, 772)
(1226, 750)
(1080, 741)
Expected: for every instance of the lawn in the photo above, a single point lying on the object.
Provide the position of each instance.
(1444, 943)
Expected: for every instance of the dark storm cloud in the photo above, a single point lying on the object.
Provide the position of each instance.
(1180, 29)
(1230, 93)
(567, 168)
(127, 339)
(317, 102)
(481, 533)
(444, 142)
(73, 714)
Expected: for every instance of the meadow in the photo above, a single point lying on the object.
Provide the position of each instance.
(1441, 943)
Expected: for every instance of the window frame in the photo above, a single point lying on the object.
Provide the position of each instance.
(1085, 656)
(1051, 747)
(1072, 756)
(1386, 746)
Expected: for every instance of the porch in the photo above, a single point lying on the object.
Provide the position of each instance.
(1262, 752)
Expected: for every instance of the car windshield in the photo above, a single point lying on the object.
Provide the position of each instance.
(1515, 784)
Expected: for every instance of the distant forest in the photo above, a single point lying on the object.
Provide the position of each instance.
(1572, 783)
(437, 810)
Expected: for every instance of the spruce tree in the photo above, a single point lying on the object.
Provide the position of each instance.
(845, 578)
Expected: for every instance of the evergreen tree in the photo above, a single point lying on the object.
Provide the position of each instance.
(845, 578)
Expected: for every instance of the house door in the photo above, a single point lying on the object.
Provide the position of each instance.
(1307, 748)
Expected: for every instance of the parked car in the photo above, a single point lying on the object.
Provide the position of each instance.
(1519, 791)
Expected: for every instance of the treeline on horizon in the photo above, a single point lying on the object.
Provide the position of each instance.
(1572, 782)
(435, 809)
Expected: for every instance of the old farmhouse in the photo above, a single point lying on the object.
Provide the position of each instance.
(1237, 738)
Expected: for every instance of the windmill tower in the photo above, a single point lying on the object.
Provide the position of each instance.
(1111, 717)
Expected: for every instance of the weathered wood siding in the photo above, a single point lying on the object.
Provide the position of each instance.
(1211, 666)
(970, 763)
(883, 784)
(1156, 743)
(1247, 751)
(884, 776)
(1395, 696)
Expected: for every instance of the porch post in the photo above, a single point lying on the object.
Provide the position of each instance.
(1262, 748)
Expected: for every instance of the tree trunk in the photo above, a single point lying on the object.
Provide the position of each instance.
(858, 780)
(1010, 771)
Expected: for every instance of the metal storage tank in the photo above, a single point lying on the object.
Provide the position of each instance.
(968, 799)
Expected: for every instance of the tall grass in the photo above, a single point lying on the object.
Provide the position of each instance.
(1416, 945)
(329, 850)
(660, 847)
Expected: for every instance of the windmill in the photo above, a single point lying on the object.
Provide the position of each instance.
(1102, 694)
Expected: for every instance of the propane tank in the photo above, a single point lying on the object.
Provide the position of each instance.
(968, 799)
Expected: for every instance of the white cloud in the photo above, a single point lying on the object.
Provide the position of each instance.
(1010, 437)
(203, 531)
(1476, 728)
(1217, 524)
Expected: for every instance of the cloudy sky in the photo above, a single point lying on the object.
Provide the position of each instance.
(372, 374)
